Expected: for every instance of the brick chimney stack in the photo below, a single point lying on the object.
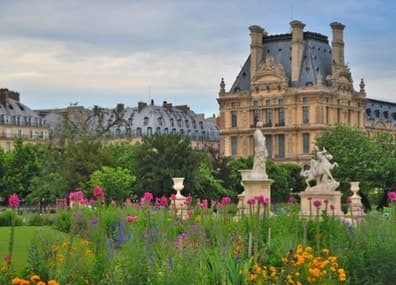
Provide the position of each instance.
(297, 45)
(337, 44)
(256, 48)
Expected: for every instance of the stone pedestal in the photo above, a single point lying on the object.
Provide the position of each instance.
(179, 201)
(356, 209)
(255, 185)
(330, 200)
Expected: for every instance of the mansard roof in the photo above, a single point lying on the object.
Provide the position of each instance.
(316, 59)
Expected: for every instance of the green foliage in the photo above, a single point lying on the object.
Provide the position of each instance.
(361, 158)
(80, 160)
(161, 157)
(116, 182)
(21, 165)
(63, 221)
(6, 216)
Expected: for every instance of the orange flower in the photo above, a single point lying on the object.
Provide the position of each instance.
(52, 282)
(35, 278)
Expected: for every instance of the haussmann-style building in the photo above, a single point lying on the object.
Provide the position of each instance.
(298, 85)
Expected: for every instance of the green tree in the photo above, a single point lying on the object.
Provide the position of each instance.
(21, 165)
(161, 157)
(80, 159)
(360, 158)
(117, 182)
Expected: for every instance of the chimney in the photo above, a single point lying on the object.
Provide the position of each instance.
(4, 97)
(167, 106)
(256, 48)
(141, 105)
(297, 46)
(337, 45)
(120, 107)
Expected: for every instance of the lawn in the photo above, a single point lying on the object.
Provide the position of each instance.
(23, 237)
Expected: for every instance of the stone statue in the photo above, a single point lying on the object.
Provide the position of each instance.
(320, 168)
(260, 151)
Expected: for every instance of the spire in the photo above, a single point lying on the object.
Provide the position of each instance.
(362, 87)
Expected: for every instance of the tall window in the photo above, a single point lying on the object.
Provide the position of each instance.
(305, 114)
(149, 131)
(234, 119)
(281, 145)
(145, 121)
(281, 116)
(268, 117)
(305, 142)
(234, 145)
(268, 142)
(256, 116)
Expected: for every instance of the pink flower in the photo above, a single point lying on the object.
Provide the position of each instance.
(98, 192)
(203, 204)
(261, 200)
(349, 200)
(172, 197)
(251, 201)
(148, 196)
(164, 201)
(131, 219)
(76, 195)
(392, 196)
(291, 200)
(188, 200)
(309, 198)
(127, 202)
(317, 203)
(332, 207)
(225, 200)
(13, 201)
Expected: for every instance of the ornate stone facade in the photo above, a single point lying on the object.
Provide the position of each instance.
(298, 85)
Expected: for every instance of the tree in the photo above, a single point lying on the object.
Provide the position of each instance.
(161, 157)
(21, 165)
(80, 159)
(371, 161)
(117, 182)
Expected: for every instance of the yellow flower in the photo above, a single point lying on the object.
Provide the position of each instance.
(325, 251)
(35, 278)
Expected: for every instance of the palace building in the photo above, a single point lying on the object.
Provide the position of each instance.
(298, 85)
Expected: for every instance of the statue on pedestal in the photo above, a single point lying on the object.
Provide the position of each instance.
(320, 169)
(260, 151)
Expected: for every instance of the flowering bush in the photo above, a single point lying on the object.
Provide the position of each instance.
(299, 268)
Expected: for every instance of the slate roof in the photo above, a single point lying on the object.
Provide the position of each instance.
(316, 58)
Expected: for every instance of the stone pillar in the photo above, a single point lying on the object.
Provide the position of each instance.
(337, 44)
(297, 45)
(255, 186)
(256, 48)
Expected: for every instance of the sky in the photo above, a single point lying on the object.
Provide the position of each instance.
(104, 52)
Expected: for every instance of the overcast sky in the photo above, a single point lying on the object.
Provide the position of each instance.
(104, 52)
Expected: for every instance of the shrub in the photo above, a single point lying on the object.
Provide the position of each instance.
(5, 219)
